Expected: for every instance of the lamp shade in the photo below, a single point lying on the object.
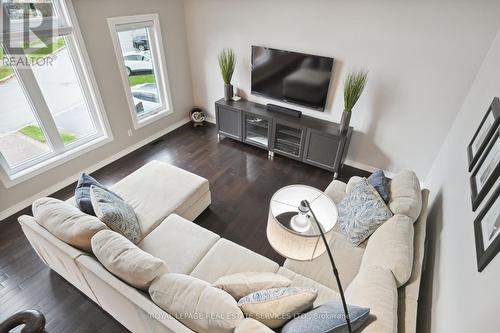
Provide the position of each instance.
(284, 207)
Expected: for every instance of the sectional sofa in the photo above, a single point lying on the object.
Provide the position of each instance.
(382, 274)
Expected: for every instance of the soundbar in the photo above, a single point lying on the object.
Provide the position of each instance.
(280, 109)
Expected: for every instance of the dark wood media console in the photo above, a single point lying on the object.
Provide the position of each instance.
(310, 140)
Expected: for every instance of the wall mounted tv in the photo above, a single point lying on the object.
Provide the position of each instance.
(291, 77)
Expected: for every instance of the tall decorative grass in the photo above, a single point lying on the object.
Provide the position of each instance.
(354, 85)
(227, 61)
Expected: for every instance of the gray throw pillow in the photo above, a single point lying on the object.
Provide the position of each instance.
(328, 318)
(379, 181)
(115, 213)
(361, 212)
(82, 193)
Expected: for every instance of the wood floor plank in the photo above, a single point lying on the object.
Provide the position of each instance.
(242, 181)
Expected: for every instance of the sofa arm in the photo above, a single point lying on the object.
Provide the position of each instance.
(336, 191)
(375, 288)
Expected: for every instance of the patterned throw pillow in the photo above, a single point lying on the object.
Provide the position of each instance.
(379, 181)
(82, 193)
(274, 307)
(361, 212)
(115, 213)
(328, 317)
(241, 284)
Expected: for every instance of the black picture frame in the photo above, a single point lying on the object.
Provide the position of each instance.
(477, 195)
(484, 256)
(494, 110)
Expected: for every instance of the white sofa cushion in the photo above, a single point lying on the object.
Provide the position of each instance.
(226, 257)
(158, 189)
(198, 305)
(325, 294)
(336, 191)
(180, 243)
(274, 307)
(241, 284)
(375, 288)
(347, 258)
(406, 196)
(391, 247)
(250, 325)
(67, 222)
(125, 260)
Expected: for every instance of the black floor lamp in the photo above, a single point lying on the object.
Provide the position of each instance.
(294, 230)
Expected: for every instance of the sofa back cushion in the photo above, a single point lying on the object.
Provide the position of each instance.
(406, 195)
(125, 260)
(391, 247)
(241, 284)
(67, 222)
(197, 304)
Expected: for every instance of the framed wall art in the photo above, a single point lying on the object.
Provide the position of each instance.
(487, 231)
(487, 171)
(487, 127)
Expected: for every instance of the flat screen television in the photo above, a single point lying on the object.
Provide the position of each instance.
(292, 77)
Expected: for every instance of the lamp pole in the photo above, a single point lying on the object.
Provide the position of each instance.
(335, 272)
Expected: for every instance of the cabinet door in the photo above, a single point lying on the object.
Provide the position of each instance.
(256, 130)
(288, 140)
(229, 122)
(321, 149)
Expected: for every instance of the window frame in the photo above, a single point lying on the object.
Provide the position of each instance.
(60, 153)
(159, 65)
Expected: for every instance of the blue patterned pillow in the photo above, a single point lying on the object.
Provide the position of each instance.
(379, 181)
(115, 213)
(361, 212)
(82, 193)
(328, 317)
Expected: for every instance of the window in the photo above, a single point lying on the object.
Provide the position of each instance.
(49, 111)
(139, 50)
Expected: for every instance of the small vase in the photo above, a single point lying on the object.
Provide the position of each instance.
(344, 122)
(228, 92)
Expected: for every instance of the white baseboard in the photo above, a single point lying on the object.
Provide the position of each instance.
(56, 187)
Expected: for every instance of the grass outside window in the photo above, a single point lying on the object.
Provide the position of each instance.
(140, 79)
(36, 133)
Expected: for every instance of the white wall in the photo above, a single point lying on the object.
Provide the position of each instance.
(92, 15)
(456, 297)
(422, 57)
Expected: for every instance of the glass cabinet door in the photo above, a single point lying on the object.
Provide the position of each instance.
(288, 140)
(257, 130)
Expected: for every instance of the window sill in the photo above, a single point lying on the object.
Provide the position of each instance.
(26, 174)
(139, 123)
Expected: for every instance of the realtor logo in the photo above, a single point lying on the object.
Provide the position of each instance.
(28, 30)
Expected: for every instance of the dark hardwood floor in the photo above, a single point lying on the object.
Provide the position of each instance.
(242, 181)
